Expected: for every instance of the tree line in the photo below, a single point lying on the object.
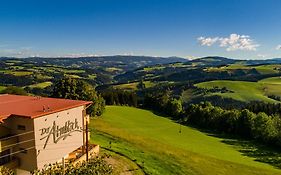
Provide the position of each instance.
(244, 123)
(164, 103)
(268, 108)
(120, 97)
(260, 126)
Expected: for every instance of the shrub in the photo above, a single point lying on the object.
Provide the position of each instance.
(95, 166)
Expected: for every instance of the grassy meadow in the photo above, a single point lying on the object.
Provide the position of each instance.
(156, 144)
(246, 91)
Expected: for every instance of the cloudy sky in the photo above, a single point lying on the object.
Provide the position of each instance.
(245, 29)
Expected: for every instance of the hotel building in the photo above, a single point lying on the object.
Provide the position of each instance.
(35, 131)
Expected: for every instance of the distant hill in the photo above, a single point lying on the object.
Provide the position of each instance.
(218, 61)
(119, 62)
(212, 61)
(267, 61)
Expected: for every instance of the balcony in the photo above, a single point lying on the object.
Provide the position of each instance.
(79, 155)
(7, 143)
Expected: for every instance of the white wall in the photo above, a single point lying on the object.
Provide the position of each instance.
(58, 146)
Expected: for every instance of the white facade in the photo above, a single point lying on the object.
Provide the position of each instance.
(46, 139)
(58, 134)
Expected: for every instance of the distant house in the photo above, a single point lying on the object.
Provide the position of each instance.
(35, 131)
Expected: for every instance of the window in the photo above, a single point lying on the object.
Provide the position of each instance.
(21, 127)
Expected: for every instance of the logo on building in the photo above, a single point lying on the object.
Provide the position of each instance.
(57, 133)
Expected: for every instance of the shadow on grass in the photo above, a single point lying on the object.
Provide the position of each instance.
(260, 152)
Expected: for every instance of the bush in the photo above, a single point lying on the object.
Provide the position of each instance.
(95, 166)
(6, 171)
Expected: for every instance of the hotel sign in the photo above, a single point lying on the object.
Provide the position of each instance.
(56, 133)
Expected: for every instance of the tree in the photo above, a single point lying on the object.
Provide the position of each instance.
(79, 90)
(263, 128)
(277, 124)
(14, 90)
(141, 85)
(174, 108)
(245, 123)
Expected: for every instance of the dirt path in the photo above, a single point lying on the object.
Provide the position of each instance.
(122, 165)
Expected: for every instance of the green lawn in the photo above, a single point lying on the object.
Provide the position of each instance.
(243, 90)
(156, 143)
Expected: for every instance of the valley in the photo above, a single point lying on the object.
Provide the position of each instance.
(155, 143)
(160, 133)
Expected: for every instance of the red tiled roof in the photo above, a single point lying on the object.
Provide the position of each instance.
(32, 107)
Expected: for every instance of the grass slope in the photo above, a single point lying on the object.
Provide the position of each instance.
(155, 143)
(243, 90)
(272, 80)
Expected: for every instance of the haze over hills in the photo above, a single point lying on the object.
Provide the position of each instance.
(126, 61)
(144, 60)
(168, 86)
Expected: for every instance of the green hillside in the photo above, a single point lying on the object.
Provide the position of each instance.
(245, 91)
(272, 80)
(156, 143)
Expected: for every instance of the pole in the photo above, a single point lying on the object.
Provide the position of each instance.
(87, 140)
(63, 166)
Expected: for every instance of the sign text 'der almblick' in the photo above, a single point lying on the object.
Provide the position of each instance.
(59, 132)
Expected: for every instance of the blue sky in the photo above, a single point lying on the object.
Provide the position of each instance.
(247, 29)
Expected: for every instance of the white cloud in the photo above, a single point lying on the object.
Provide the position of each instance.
(207, 41)
(232, 43)
(278, 47)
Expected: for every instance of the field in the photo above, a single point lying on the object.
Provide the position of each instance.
(134, 86)
(41, 85)
(156, 144)
(16, 73)
(246, 91)
(262, 69)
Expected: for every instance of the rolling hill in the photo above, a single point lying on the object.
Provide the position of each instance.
(156, 144)
(246, 91)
